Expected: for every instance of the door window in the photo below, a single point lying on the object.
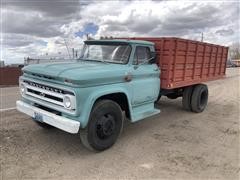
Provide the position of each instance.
(142, 54)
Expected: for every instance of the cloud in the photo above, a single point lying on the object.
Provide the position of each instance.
(14, 40)
(35, 28)
(53, 8)
(31, 23)
(225, 32)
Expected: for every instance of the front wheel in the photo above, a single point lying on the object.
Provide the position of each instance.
(104, 126)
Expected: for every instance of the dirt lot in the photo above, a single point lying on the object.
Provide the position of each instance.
(8, 97)
(172, 145)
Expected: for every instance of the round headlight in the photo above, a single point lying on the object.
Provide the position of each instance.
(22, 88)
(67, 102)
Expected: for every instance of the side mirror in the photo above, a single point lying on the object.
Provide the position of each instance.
(153, 58)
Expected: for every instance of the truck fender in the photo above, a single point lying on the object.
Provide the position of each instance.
(100, 93)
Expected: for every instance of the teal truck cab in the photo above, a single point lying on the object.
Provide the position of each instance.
(112, 79)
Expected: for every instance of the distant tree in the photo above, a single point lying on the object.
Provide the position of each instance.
(234, 51)
(89, 37)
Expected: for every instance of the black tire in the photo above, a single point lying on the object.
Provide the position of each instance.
(186, 99)
(199, 98)
(43, 125)
(104, 126)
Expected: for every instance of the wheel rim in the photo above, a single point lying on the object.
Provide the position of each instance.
(105, 126)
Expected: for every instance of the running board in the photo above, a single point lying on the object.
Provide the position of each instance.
(144, 111)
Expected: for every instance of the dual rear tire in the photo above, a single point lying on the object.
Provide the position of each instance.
(195, 98)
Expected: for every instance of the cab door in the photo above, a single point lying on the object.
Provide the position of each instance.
(145, 77)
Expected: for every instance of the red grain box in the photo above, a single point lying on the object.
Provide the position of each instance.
(186, 62)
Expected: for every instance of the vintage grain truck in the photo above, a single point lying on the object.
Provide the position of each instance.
(118, 78)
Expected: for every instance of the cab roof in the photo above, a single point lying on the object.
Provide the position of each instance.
(118, 41)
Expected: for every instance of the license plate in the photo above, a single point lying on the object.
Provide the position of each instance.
(38, 116)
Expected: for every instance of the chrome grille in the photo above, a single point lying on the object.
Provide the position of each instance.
(46, 93)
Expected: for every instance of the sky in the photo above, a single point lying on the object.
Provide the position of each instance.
(40, 28)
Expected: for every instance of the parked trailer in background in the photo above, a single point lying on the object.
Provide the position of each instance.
(236, 62)
(117, 78)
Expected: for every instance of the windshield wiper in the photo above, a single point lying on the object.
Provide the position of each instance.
(104, 61)
(79, 59)
(92, 60)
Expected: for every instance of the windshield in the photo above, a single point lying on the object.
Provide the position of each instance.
(106, 53)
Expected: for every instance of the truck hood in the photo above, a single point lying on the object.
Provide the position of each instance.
(84, 73)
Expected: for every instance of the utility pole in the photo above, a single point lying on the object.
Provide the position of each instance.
(202, 37)
(76, 53)
(67, 48)
(73, 53)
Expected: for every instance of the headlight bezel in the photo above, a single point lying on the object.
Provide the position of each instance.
(22, 88)
(70, 99)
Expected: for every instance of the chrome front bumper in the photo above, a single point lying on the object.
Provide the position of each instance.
(60, 122)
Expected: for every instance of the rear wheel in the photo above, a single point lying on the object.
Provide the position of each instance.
(199, 98)
(104, 126)
(186, 99)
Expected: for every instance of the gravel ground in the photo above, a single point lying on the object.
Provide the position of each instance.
(172, 145)
(8, 97)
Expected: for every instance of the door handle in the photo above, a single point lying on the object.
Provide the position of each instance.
(128, 77)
